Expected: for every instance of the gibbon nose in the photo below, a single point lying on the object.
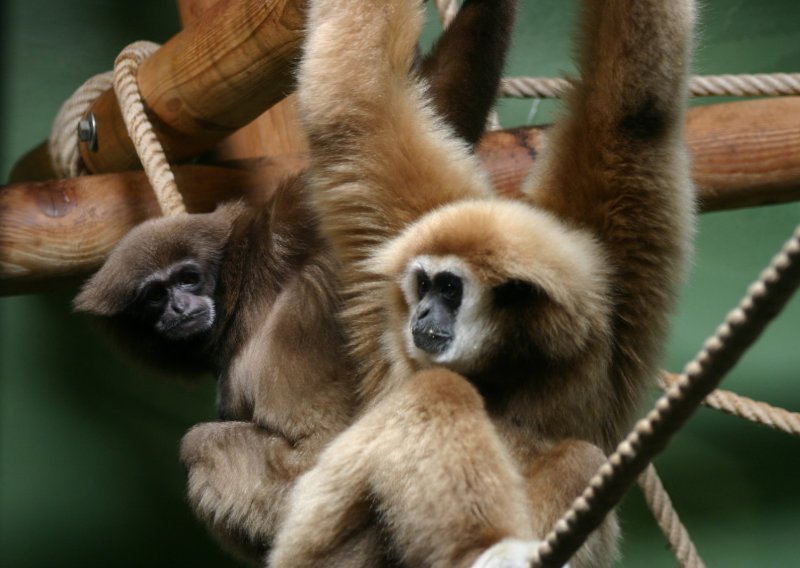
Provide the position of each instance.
(179, 305)
(432, 328)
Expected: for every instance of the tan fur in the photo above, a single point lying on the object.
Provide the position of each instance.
(605, 238)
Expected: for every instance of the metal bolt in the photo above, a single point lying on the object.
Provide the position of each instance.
(87, 131)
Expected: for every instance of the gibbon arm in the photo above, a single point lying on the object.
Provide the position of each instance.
(428, 464)
(464, 70)
(616, 166)
(377, 150)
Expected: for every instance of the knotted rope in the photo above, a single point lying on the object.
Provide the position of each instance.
(63, 141)
(140, 129)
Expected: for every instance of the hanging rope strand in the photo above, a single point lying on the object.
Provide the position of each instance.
(447, 10)
(741, 328)
(668, 520)
(140, 129)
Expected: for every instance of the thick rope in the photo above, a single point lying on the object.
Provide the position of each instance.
(140, 129)
(667, 518)
(778, 84)
(741, 328)
(749, 409)
(63, 141)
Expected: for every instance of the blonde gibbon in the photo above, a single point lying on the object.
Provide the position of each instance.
(249, 293)
(501, 346)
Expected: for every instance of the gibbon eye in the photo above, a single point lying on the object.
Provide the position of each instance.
(451, 288)
(188, 278)
(423, 284)
(154, 294)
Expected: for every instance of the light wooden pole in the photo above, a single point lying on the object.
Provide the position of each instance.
(206, 82)
(745, 154)
(274, 134)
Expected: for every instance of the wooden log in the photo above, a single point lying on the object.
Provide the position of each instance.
(209, 80)
(744, 153)
(52, 232)
(274, 134)
(49, 231)
(206, 82)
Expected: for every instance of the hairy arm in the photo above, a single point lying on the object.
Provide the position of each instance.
(617, 167)
(379, 155)
(465, 65)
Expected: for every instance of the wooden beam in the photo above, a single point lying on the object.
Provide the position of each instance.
(273, 134)
(206, 82)
(52, 232)
(745, 153)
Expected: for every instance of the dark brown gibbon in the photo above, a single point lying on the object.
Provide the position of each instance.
(501, 346)
(250, 294)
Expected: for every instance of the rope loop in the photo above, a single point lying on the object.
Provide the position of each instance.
(63, 141)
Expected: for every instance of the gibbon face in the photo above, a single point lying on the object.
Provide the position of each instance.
(478, 281)
(178, 301)
(163, 275)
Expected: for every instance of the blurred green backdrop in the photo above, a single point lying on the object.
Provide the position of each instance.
(89, 474)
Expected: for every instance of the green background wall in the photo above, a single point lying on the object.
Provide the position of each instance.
(89, 473)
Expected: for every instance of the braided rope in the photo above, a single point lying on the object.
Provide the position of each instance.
(667, 518)
(741, 328)
(747, 408)
(777, 84)
(63, 142)
(140, 129)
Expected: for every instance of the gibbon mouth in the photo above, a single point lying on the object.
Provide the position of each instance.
(188, 325)
(432, 341)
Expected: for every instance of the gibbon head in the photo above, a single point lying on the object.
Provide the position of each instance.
(478, 284)
(161, 277)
